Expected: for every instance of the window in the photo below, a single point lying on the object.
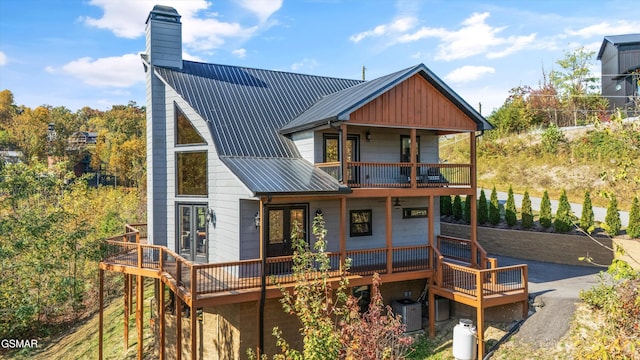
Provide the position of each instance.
(405, 148)
(360, 223)
(331, 152)
(363, 294)
(191, 173)
(411, 213)
(186, 134)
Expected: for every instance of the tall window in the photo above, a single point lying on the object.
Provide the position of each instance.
(186, 133)
(191, 173)
(332, 152)
(405, 148)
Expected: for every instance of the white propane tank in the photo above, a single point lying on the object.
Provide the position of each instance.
(464, 340)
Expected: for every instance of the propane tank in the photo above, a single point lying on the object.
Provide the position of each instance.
(464, 340)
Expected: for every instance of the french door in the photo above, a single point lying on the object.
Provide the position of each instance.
(192, 232)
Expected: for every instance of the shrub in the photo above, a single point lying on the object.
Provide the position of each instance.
(633, 230)
(457, 207)
(510, 209)
(494, 208)
(551, 138)
(467, 209)
(587, 217)
(445, 205)
(527, 212)
(612, 219)
(562, 222)
(545, 210)
(483, 215)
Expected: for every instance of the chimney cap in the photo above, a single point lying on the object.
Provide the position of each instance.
(166, 13)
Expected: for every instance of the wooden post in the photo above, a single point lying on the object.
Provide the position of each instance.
(389, 236)
(474, 217)
(130, 294)
(126, 312)
(343, 231)
(161, 315)
(101, 313)
(343, 156)
(412, 154)
(430, 211)
(194, 317)
(178, 327)
(140, 313)
(432, 314)
(480, 314)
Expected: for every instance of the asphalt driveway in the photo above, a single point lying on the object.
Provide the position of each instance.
(554, 289)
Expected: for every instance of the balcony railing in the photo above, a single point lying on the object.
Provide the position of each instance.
(398, 175)
(202, 279)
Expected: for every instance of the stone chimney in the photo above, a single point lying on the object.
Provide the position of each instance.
(164, 37)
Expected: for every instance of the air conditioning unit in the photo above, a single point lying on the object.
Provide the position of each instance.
(411, 313)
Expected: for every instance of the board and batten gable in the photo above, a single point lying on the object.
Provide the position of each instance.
(413, 103)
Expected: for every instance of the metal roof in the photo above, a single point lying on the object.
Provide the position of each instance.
(282, 176)
(245, 108)
(618, 40)
(339, 105)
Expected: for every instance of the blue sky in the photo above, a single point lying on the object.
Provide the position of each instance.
(77, 53)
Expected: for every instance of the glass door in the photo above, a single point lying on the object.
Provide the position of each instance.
(192, 232)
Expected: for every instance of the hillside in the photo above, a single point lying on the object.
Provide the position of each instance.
(602, 159)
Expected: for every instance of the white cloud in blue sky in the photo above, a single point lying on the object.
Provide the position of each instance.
(88, 53)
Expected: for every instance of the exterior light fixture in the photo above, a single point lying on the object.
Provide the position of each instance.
(367, 135)
(211, 217)
(257, 219)
(318, 211)
(396, 204)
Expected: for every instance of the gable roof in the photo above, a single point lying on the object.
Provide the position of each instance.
(338, 106)
(245, 108)
(616, 40)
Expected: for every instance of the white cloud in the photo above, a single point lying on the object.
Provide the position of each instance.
(120, 72)
(3, 58)
(240, 53)
(397, 26)
(468, 73)
(475, 37)
(262, 8)
(201, 30)
(305, 64)
(190, 57)
(605, 28)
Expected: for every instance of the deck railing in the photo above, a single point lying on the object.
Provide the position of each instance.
(199, 279)
(463, 250)
(398, 175)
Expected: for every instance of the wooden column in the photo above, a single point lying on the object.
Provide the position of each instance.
(474, 207)
(389, 236)
(480, 316)
(343, 156)
(412, 156)
(126, 311)
(194, 331)
(101, 312)
(140, 314)
(431, 233)
(343, 231)
(130, 294)
(161, 316)
(432, 314)
(178, 327)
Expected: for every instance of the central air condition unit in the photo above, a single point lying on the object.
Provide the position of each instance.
(411, 313)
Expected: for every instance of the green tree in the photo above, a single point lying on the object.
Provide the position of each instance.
(510, 213)
(527, 211)
(552, 137)
(445, 205)
(467, 209)
(483, 212)
(545, 210)
(457, 207)
(562, 222)
(612, 219)
(587, 218)
(494, 208)
(633, 230)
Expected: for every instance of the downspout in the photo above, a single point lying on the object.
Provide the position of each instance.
(263, 282)
(340, 135)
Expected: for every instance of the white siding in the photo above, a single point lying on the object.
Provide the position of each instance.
(304, 142)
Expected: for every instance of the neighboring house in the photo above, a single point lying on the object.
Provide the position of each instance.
(620, 59)
(236, 156)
